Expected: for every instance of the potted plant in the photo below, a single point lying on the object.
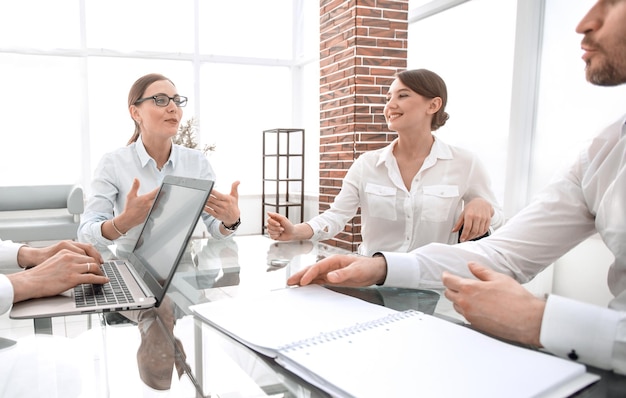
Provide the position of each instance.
(186, 136)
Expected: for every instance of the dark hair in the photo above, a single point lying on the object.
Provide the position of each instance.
(430, 85)
(137, 91)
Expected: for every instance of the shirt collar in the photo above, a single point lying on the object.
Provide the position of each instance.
(439, 150)
(145, 158)
(386, 153)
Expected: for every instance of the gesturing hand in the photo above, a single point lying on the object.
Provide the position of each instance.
(224, 207)
(136, 208)
(279, 227)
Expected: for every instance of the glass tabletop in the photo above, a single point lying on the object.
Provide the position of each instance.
(166, 351)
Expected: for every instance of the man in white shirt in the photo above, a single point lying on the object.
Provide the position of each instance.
(590, 197)
(50, 270)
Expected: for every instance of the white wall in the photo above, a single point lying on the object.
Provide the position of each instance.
(251, 216)
(582, 273)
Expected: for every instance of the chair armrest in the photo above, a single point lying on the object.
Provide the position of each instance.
(76, 200)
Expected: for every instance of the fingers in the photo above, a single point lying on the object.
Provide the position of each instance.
(450, 281)
(224, 207)
(134, 188)
(296, 279)
(233, 189)
(344, 270)
(93, 279)
(483, 273)
(274, 225)
(89, 268)
(274, 218)
(473, 229)
(88, 250)
(91, 273)
(454, 283)
(315, 273)
(152, 194)
(476, 218)
(459, 223)
(468, 232)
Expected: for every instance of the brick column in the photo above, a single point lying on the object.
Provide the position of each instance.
(363, 43)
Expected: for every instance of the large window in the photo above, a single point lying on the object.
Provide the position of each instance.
(476, 61)
(524, 142)
(571, 111)
(42, 104)
(67, 69)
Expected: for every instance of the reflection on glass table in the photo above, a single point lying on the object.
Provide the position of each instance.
(167, 352)
(176, 355)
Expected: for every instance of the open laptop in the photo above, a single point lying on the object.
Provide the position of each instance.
(148, 269)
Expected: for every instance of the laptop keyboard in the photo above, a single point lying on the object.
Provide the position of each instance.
(114, 292)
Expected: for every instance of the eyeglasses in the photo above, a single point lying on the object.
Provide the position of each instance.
(164, 100)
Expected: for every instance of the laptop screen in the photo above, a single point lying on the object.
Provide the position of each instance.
(169, 225)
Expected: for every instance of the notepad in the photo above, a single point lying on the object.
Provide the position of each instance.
(352, 348)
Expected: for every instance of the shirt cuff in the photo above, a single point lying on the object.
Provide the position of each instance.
(8, 255)
(402, 270)
(6, 294)
(318, 231)
(579, 331)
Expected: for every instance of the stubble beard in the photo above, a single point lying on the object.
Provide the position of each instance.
(610, 71)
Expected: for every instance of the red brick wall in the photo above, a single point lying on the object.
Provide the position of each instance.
(363, 43)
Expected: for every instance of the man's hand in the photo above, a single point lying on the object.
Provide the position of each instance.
(496, 304)
(59, 273)
(343, 270)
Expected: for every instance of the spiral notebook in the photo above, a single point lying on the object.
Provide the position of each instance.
(352, 348)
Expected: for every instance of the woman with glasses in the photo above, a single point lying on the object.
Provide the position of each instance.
(126, 180)
(414, 191)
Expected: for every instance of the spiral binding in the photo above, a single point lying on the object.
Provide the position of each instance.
(349, 331)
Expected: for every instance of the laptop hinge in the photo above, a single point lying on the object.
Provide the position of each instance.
(140, 282)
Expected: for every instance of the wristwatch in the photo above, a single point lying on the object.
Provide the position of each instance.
(234, 226)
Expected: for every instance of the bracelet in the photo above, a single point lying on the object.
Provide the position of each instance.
(233, 228)
(115, 228)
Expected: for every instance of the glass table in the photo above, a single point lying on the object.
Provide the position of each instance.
(167, 352)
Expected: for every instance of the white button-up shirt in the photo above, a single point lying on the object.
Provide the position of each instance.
(394, 218)
(8, 260)
(589, 197)
(113, 180)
